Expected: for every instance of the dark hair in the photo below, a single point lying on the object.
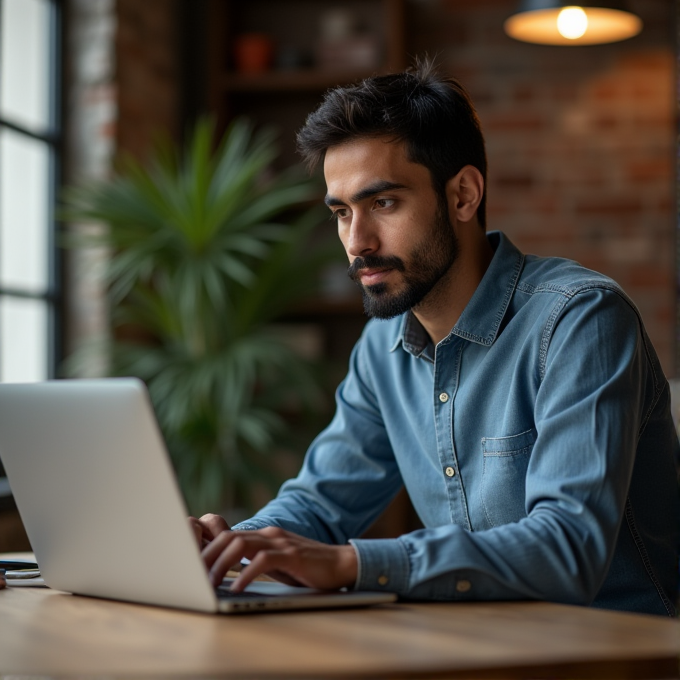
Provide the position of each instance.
(432, 114)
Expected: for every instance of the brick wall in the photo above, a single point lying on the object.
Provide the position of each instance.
(580, 140)
(147, 73)
(90, 107)
(121, 92)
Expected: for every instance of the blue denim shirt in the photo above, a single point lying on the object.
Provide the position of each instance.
(535, 442)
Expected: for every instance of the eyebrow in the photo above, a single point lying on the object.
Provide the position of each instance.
(371, 190)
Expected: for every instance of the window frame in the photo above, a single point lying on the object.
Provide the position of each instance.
(52, 137)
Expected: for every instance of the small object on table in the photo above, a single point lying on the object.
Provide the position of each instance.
(16, 565)
(22, 574)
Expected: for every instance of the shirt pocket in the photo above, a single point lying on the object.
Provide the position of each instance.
(504, 476)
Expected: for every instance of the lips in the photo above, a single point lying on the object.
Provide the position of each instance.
(373, 276)
(373, 269)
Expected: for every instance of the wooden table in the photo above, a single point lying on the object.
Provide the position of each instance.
(48, 633)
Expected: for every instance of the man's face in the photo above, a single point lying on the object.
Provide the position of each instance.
(395, 228)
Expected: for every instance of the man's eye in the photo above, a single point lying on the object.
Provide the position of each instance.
(384, 202)
(340, 214)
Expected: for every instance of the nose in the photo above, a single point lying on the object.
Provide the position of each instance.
(362, 239)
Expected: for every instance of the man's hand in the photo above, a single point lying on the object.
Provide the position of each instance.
(207, 528)
(285, 556)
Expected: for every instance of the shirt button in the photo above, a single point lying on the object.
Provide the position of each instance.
(443, 397)
(383, 580)
(449, 471)
(463, 586)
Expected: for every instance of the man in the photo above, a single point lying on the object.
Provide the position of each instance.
(517, 398)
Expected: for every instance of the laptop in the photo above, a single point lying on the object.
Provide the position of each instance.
(100, 502)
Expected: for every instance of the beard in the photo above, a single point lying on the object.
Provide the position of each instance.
(429, 261)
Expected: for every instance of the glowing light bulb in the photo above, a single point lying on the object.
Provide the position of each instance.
(572, 22)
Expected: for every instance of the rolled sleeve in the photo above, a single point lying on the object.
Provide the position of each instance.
(383, 565)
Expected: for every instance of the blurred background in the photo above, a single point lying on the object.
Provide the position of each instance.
(581, 142)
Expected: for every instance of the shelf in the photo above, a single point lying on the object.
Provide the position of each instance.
(291, 81)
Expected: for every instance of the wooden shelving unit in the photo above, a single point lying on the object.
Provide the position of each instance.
(273, 82)
(284, 94)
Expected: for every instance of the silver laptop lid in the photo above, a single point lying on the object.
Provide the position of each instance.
(68, 447)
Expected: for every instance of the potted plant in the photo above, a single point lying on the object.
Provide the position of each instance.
(207, 248)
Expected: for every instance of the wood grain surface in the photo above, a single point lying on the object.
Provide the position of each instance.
(45, 632)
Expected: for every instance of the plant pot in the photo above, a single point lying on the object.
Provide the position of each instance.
(253, 53)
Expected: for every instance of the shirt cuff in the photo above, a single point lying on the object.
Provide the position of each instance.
(250, 525)
(382, 565)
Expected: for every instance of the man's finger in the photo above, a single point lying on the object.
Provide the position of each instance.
(213, 525)
(225, 552)
(213, 550)
(197, 530)
(266, 561)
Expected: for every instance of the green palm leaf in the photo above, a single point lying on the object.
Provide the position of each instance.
(201, 262)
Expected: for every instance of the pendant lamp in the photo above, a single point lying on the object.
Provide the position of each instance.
(551, 22)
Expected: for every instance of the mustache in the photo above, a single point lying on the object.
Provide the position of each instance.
(374, 262)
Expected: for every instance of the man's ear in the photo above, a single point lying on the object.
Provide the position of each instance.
(464, 192)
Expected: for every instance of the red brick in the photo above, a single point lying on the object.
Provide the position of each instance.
(651, 277)
(544, 205)
(607, 122)
(606, 92)
(653, 60)
(513, 181)
(645, 171)
(654, 119)
(664, 314)
(667, 205)
(614, 207)
(514, 122)
(524, 93)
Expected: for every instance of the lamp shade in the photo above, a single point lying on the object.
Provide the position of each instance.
(551, 22)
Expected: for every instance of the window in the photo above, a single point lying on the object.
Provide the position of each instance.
(29, 145)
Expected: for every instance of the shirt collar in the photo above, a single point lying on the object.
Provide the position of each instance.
(483, 314)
